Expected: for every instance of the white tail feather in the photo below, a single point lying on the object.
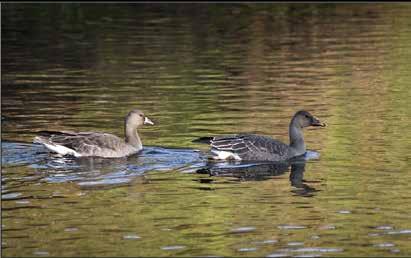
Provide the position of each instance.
(225, 155)
(62, 150)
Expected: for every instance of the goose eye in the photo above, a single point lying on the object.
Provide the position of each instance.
(141, 115)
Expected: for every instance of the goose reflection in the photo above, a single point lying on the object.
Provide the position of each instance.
(262, 171)
(97, 172)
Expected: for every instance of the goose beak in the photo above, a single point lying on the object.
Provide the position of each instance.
(148, 121)
(317, 122)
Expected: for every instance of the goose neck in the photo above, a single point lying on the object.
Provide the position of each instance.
(296, 138)
(132, 137)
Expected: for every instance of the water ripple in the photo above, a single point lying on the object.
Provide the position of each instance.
(131, 237)
(243, 230)
(95, 172)
(290, 227)
(399, 232)
(173, 247)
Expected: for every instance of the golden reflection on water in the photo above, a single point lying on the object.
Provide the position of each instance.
(202, 73)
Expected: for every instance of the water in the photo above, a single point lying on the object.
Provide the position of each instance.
(200, 70)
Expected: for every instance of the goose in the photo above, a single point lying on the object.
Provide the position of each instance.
(252, 147)
(96, 144)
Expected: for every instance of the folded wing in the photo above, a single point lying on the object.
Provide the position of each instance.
(78, 144)
(249, 147)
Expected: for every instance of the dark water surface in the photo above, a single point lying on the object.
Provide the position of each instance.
(199, 70)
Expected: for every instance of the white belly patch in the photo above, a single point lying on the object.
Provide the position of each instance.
(62, 150)
(225, 155)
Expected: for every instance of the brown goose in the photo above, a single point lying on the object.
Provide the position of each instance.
(262, 148)
(86, 144)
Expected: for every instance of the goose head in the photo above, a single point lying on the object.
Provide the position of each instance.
(136, 118)
(305, 119)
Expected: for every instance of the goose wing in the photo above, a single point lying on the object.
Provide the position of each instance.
(83, 143)
(251, 146)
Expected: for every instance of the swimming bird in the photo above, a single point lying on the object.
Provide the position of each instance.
(253, 147)
(96, 144)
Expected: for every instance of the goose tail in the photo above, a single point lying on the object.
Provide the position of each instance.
(57, 148)
(40, 139)
(205, 140)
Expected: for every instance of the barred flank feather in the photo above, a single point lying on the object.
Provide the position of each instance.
(246, 147)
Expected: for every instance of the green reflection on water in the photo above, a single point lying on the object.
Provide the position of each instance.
(203, 71)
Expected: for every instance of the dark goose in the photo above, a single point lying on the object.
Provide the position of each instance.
(253, 147)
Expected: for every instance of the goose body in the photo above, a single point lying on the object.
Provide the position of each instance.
(254, 147)
(96, 144)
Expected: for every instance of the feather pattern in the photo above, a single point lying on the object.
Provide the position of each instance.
(250, 147)
(263, 148)
(86, 143)
(97, 144)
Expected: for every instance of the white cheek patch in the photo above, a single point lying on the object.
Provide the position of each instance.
(62, 150)
(225, 155)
